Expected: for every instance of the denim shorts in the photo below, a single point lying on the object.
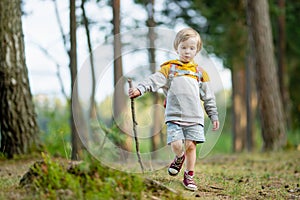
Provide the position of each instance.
(177, 132)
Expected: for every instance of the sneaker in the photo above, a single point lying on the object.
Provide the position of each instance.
(176, 165)
(188, 182)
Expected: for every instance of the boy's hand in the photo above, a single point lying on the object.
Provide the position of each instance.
(133, 93)
(216, 125)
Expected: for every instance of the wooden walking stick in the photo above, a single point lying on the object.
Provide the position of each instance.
(134, 129)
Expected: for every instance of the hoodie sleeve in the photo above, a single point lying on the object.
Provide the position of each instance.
(208, 97)
(152, 83)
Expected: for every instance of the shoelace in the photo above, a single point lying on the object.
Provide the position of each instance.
(189, 179)
(178, 162)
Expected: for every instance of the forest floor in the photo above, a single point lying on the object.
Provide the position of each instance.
(234, 176)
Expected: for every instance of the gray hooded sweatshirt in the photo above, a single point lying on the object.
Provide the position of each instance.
(183, 96)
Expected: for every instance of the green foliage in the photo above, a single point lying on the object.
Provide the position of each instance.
(292, 53)
(293, 139)
(87, 180)
(2, 156)
(224, 144)
(53, 120)
(50, 177)
(113, 134)
(222, 25)
(292, 29)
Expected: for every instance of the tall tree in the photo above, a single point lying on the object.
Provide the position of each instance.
(85, 21)
(18, 124)
(269, 99)
(282, 67)
(250, 91)
(156, 129)
(292, 16)
(119, 103)
(75, 108)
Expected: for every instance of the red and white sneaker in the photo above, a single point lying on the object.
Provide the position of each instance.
(188, 181)
(176, 165)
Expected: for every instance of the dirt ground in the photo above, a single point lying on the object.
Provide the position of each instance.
(235, 176)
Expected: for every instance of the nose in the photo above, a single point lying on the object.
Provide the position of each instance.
(186, 51)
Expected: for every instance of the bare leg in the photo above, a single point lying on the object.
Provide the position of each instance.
(175, 166)
(190, 153)
(177, 148)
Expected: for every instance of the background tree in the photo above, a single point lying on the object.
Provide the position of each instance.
(292, 48)
(85, 22)
(270, 103)
(281, 55)
(155, 130)
(119, 99)
(75, 107)
(18, 124)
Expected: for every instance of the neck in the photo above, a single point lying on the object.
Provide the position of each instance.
(184, 62)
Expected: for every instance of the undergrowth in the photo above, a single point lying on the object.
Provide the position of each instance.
(49, 179)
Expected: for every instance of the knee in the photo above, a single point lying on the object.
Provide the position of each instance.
(177, 145)
(190, 146)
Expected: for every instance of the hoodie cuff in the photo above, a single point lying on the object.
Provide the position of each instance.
(214, 118)
(141, 89)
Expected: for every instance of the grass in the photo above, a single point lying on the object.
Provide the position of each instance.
(243, 176)
(224, 176)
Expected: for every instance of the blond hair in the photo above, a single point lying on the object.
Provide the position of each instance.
(185, 34)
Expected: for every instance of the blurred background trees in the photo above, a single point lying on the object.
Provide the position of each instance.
(272, 116)
(229, 32)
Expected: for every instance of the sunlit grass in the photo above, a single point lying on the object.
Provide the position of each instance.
(243, 176)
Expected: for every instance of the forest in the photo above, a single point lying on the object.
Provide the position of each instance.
(68, 129)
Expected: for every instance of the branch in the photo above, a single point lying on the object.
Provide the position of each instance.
(60, 26)
(86, 25)
(58, 66)
(134, 129)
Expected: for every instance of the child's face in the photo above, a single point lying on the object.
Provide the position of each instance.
(187, 49)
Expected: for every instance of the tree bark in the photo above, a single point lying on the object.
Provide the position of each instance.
(282, 69)
(92, 112)
(155, 130)
(251, 98)
(75, 108)
(270, 103)
(119, 100)
(18, 124)
(251, 90)
(119, 95)
(239, 108)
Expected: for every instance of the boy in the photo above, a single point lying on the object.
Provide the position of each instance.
(185, 84)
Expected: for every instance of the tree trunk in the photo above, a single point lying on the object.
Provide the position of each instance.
(270, 104)
(119, 100)
(119, 96)
(282, 71)
(75, 108)
(239, 108)
(251, 97)
(18, 124)
(251, 91)
(92, 110)
(155, 130)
